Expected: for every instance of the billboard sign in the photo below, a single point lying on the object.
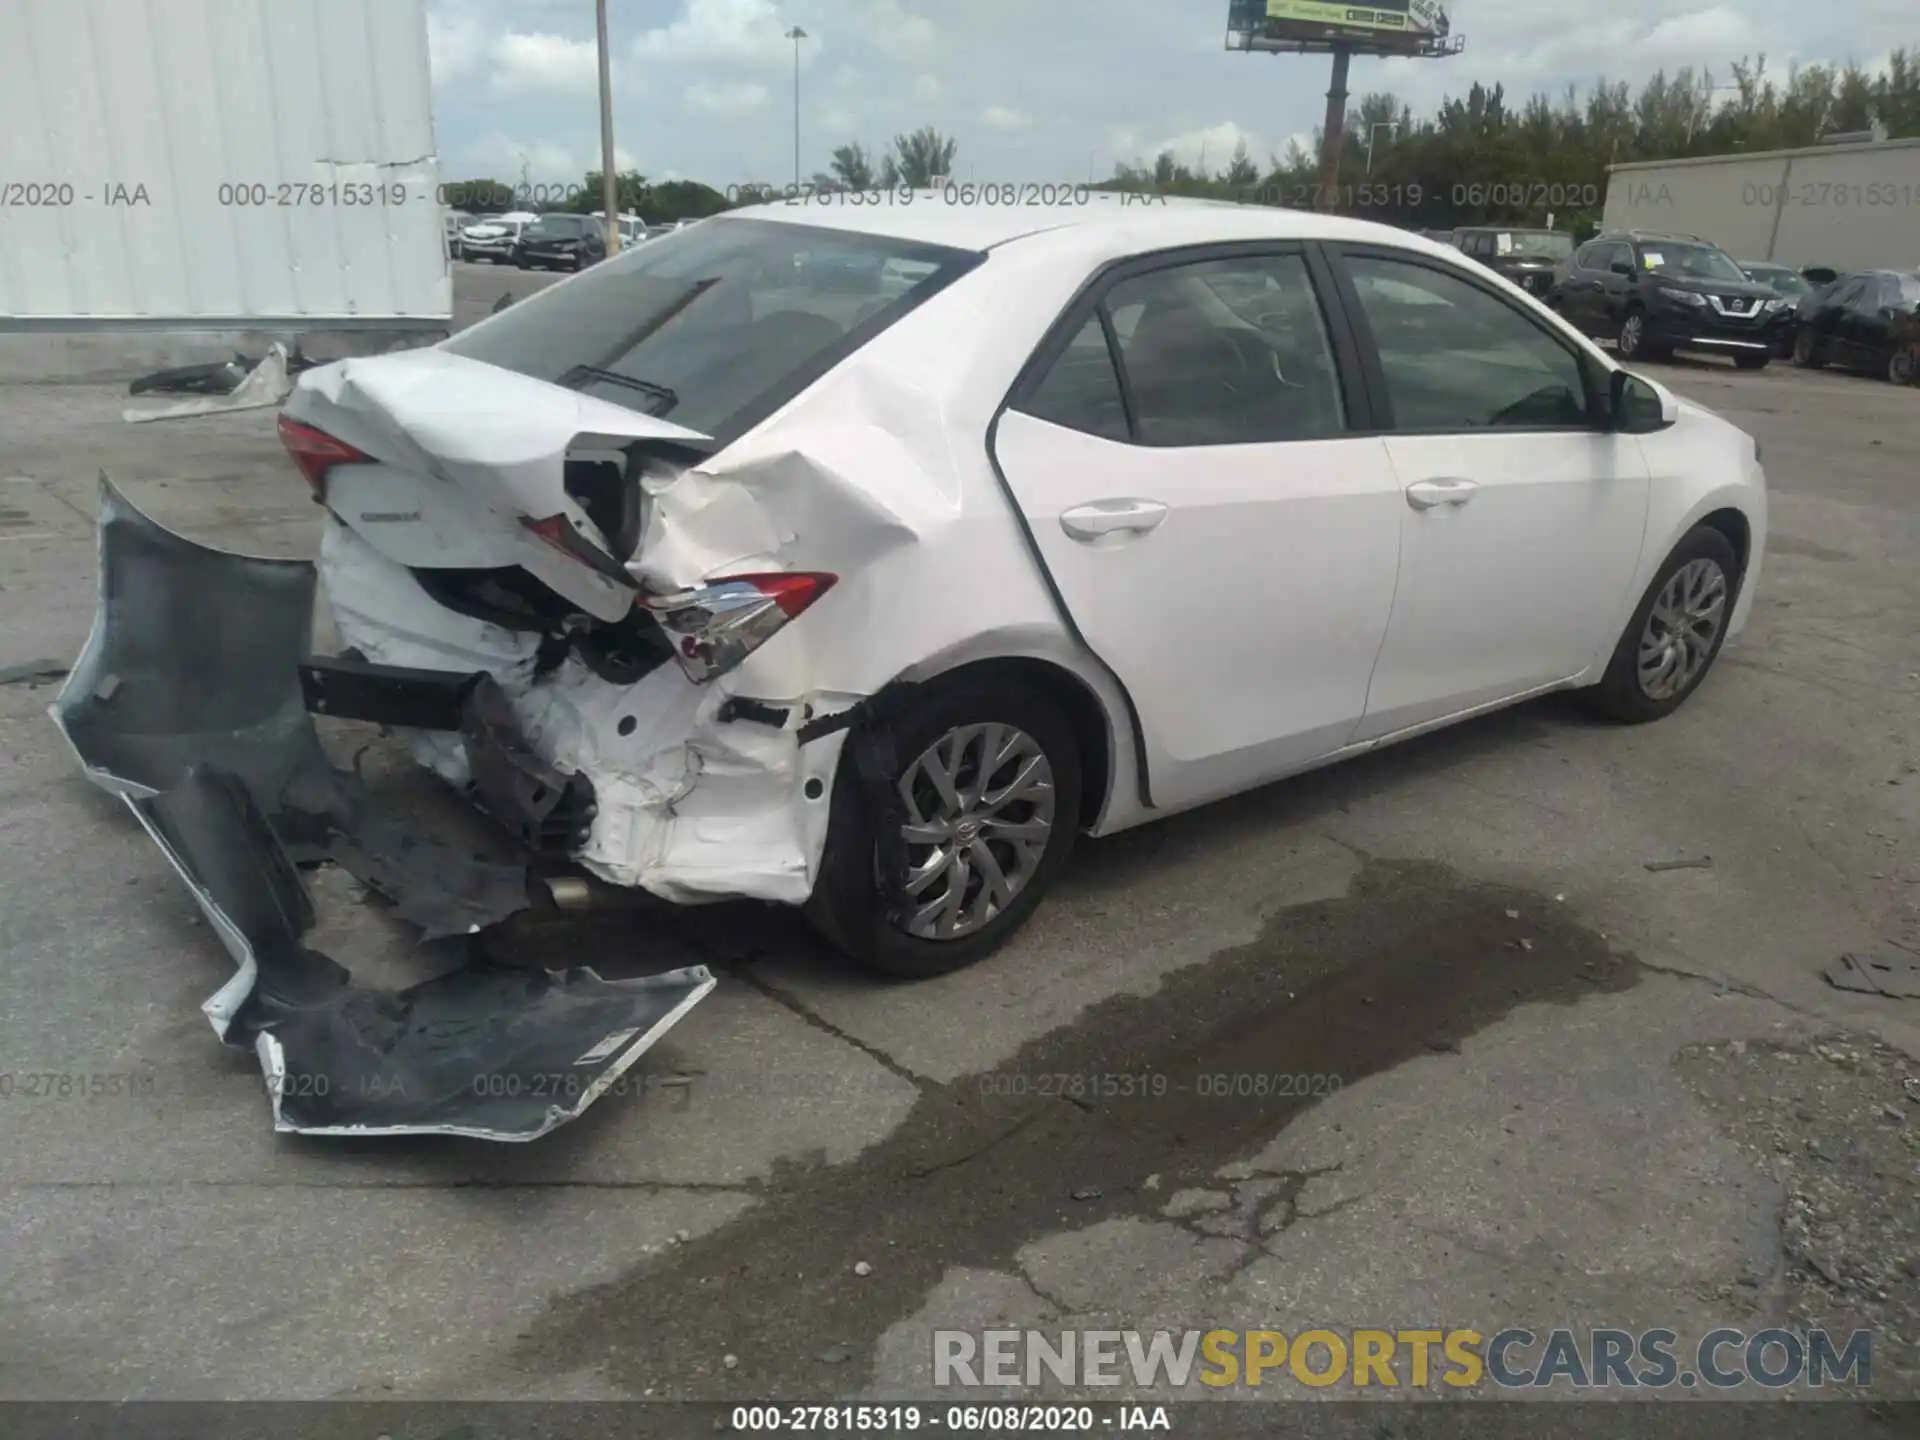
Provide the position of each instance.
(1287, 24)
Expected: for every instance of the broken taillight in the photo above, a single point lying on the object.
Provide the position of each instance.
(317, 452)
(714, 627)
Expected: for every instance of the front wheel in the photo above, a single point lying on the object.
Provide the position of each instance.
(949, 824)
(1675, 633)
(1900, 367)
(1806, 351)
(1631, 342)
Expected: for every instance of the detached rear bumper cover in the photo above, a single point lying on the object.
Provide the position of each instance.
(187, 702)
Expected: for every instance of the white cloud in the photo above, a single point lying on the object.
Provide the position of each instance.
(897, 33)
(738, 32)
(501, 157)
(737, 98)
(928, 88)
(1003, 117)
(1209, 149)
(456, 42)
(530, 64)
(840, 122)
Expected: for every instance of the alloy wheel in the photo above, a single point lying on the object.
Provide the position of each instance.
(1631, 330)
(1900, 367)
(979, 815)
(1682, 629)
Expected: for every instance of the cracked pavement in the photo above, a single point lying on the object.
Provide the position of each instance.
(1499, 1082)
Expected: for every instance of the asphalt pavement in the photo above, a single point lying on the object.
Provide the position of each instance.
(1547, 1084)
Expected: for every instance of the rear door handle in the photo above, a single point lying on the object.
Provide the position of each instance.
(1426, 494)
(1112, 517)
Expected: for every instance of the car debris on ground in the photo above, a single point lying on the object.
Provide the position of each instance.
(190, 702)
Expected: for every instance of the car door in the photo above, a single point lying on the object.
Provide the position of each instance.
(1829, 318)
(1580, 289)
(1186, 455)
(1870, 321)
(1616, 287)
(1521, 519)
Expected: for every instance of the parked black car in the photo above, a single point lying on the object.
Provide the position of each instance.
(1653, 294)
(1529, 258)
(1869, 321)
(1790, 285)
(560, 242)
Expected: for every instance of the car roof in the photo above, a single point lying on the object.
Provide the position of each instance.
(1662, 235)
(930, 219)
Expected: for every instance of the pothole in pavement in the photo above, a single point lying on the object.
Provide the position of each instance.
(1411, 960)
(1836, 1123)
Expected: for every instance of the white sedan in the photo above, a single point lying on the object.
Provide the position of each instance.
(860, 557)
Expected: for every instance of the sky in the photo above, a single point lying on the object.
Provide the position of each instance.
(1032, 90)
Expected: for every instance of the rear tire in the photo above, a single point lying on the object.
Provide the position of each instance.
(1660, 661)
(847, 906)
(1900, 367)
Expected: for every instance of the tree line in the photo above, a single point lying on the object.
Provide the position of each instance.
(1486, 160)
(1478, 160)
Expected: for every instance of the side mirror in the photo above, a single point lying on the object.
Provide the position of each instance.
(1638, 406)
(1621, 267)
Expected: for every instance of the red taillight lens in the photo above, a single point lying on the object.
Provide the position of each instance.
(715, 627)
(317, 452)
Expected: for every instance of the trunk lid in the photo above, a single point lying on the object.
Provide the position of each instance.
(464, 453)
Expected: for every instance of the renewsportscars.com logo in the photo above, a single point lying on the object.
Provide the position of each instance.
(1510, 1359)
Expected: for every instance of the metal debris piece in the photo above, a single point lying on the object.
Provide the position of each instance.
(1087, 1193)
(1695, 862)
(31, 671)
(1895, 976)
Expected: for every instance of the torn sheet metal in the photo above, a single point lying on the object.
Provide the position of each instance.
(268, 383)
(187, 701)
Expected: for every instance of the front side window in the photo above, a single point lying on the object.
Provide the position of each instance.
(1456, 358)
(1227, 352)
(712, 324)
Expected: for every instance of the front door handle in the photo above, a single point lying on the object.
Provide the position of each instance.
(1426, 494)
(1112, 517)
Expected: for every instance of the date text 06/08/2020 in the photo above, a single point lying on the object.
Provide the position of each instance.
(952, 192)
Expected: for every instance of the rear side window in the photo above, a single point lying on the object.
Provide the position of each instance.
(1227, 352)
(1082, 391)
(1457, 358)
(715, 325)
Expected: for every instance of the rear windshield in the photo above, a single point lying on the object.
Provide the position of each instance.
(1780, 280)
(1533, 244)
(715, 325)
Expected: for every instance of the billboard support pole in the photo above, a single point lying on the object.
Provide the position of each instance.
(1333, 131)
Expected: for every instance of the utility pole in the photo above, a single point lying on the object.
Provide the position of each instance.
(796, 35)
(1334, 129)
(609, 187)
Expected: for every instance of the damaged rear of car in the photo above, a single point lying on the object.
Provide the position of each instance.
(676, 570)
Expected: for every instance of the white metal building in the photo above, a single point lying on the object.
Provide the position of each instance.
(218, 165)
(1852, 207)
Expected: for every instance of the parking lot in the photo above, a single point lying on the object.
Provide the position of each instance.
(1549, 1080)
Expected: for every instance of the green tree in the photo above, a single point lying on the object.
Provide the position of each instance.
(923, 157)
(853, 167)
(1241, 172)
